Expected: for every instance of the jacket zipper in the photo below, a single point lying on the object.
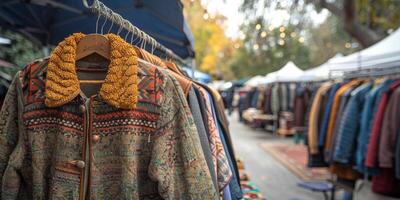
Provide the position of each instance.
(87, 151)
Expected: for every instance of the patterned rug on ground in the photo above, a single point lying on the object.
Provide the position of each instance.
(294, 158)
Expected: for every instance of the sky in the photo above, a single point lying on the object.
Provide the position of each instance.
(230, 9)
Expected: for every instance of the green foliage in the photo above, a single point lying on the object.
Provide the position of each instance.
(380, 15)
(20, 52)
(266, 51)
(328, 39)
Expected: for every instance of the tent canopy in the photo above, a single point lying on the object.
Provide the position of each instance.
(321, 72)
(255, 81)
(288, 73)
(384, 54)
(50, 21)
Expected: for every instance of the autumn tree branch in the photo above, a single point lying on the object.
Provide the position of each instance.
(363, 34)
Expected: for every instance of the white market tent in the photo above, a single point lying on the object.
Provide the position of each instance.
(255, 81)
(322, 72)
(288, 73)
(384, 54)
(270, 78)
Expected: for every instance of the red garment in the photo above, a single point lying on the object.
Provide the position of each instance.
(373, 145)
(386, 183)
(389, 131)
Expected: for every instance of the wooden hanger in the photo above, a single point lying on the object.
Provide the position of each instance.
(93, 44)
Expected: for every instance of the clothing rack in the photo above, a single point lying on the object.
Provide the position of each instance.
(372, 72)
(102, 10)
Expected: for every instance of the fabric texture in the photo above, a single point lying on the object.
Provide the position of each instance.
(224, 123)
(349, 126)
(292, 95)
(373, 145)
(386, 183)
(267, 100)
(368, 113)
(300, 106)
(390, 129)
(397, 157)
(283, 97)
(332, 117)
(223, 171)
(344, 99)
(325, 118)
(345, 172)
(313, 118)
(275, 103)
(362, 191)
(149, 152)
(234, 187)
(254, 98)
(205, 144)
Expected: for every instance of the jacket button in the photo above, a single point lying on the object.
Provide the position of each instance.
(96, 138)
(82, 108)
(80, 164)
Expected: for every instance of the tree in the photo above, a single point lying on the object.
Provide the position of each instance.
(213, 48)
(20, 52)
(365, 21)
(327, 39)
(266, 49)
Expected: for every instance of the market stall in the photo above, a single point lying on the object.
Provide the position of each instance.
(384, 54)
(351, 127)
(109, 86)
(271, 103)
(321, 72)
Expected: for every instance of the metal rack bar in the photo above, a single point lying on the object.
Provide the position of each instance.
(373, 72)
(102, 10)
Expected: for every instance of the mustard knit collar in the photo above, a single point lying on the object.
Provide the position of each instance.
(120, 85)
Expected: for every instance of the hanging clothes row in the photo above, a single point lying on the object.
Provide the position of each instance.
(140, 130)
(276, 99)
(354, 129)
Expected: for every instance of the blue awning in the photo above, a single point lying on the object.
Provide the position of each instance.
(198, 76)
(50, 21)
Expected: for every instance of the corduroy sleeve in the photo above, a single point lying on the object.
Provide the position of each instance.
(177, 163)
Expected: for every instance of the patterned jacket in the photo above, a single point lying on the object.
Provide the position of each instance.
(135, 139)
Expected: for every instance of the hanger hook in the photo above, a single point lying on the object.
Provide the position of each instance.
(126, 26)
(144, 41)
(140, 39)
(131, 30)
(152, 46)
(120, 22)
(102, 27)
(112, 23)
(126, 35)
(97, 23)
(108, 15)
(85, 3)
(134, 35)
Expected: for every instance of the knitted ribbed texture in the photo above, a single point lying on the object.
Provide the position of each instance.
(120, 85)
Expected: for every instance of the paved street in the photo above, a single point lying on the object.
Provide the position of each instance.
(274, 180)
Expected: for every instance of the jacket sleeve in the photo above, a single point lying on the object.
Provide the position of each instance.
(11, 145)
(177, 163)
